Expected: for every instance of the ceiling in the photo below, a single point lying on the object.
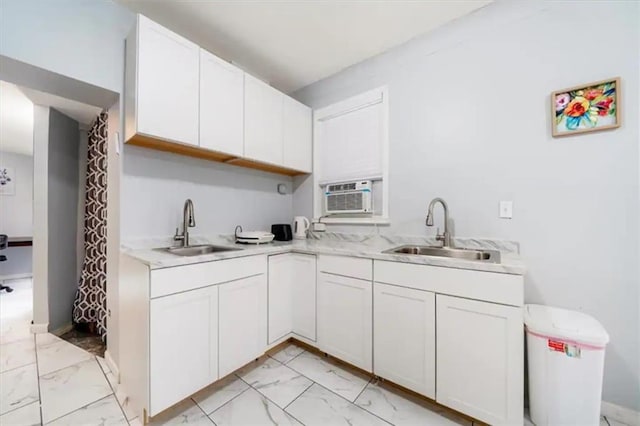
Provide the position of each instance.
(84, 114)
(294, 43)
(16, 115)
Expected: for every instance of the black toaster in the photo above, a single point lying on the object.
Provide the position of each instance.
(282, 232)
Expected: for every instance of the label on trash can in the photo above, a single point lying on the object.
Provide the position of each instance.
(572, 351)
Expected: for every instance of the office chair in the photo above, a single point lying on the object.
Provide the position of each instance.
(4, 243)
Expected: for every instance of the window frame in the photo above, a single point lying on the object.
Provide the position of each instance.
(379, 95)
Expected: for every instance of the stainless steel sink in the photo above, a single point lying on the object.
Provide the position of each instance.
(490, 256)
(198, 250)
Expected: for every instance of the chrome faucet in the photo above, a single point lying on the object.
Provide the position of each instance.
(446, 237)
(188, 221)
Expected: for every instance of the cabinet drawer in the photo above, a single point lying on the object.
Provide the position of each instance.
(182, 278)
(489, 286)
(346, 266)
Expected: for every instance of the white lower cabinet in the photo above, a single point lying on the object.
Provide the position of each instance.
(404, 337)
(303, 269)
(292, 296)
(183, 334)
(280, 296)
(243, 325)
(345, 319)
(480, 359)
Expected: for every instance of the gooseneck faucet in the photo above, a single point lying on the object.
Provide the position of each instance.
(188, 221)
(446, 237)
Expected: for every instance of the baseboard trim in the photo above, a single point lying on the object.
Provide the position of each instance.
(621, 414)
(63, 329)
(40, 328)
(15, 276)
(112, 365)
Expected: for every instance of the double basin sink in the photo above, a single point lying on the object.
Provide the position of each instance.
(489, 256)
(197, 250)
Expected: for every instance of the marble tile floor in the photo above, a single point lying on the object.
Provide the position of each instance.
(293, 387)
(46, 380)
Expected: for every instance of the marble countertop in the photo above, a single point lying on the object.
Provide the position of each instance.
(353, 245)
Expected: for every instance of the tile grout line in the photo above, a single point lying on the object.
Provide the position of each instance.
(86, 405)
(34, 402)
(17, 408)
(60, 369)
(363, 389)
(70, 365)
(331, 391)
(201, 409)
(352, 403)
(334, 365)
(79, 408)
(35, 350)
(191, 398)
(267, 398)
(113, 391)
(303, 351)
(301, 393)
(20, 366)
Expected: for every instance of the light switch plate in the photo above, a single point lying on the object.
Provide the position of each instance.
(506, 209)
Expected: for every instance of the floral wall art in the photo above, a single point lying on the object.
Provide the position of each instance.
(7, 181)
(587, 108)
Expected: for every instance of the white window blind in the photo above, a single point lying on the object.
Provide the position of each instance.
(351, 139)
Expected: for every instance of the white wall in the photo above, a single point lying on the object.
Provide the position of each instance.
(16, 211)
(114, 173)
(470, 122)
(40, 215)
(63, 184)
(155, 185)
(76, 38)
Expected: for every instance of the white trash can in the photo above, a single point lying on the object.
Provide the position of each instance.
(565, 352)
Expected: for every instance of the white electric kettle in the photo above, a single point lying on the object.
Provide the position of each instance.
(300, 227)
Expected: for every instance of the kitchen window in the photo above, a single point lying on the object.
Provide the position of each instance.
(351, 143)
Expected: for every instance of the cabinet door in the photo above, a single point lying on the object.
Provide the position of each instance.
(280, 296)
(168, 84)
(297, 135)
(344, 319)
(303, 269)
(405, 318)
(262, 121)
(183, 358)
(243, 322)
(480, 359)
(221, 105)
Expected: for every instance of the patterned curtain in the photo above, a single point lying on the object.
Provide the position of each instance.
(90, 305)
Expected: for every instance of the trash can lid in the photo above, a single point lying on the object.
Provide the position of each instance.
(564, 324)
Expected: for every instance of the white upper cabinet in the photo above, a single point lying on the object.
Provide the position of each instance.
(297, 136)
(263, 122)
(165, 84)
(221, 105)
(180, 98)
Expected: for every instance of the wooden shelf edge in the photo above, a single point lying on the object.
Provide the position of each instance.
(205, 154)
